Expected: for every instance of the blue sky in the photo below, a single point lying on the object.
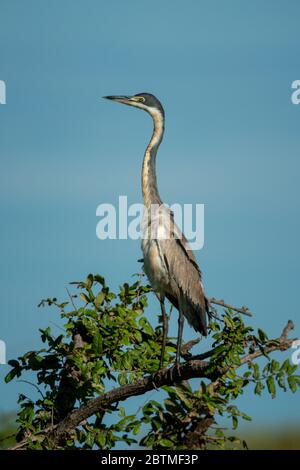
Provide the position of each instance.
(223, 71)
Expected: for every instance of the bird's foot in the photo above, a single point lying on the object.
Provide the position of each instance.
(155, 376)
(175, 371)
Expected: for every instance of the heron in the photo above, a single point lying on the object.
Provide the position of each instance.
(169, 262)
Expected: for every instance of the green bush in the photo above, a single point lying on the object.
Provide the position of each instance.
(110, 352)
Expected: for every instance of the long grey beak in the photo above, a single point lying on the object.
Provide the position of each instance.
(119, 99)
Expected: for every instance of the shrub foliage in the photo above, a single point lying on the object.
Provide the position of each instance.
(108, 351)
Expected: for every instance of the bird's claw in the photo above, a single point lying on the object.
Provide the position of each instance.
(175, 369)
(153, 378)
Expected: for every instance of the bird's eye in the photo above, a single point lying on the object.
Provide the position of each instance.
(140, 99)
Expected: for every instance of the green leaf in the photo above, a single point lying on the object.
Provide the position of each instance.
(281, 381)
(258, 388)
(99, 279)
(48, 402)
(219, 433)
(285, 365)
(84, 297)
(89, 281)
(101, 439)
(274, 366)
(99, 299)
(229, 322)
(90, 439)
(138, 336)
(122, 379)
(292, 383)
(13, 363)
(271, 386)
(11, 374)
(166, 443)
(235, 422)
(97, 343)
(143, 322)
(262, 335)
(256, 371)
(136, 428)
(27, 413)
(246, 417)
(292, 368)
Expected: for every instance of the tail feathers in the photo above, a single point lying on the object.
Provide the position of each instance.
(196, 315)
(199, 320)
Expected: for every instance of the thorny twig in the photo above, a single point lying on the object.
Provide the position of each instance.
(244, 310)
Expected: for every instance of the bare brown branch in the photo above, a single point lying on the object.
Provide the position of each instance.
(244, 310)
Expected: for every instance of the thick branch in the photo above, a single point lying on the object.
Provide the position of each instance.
(195, 437)
(66, 395)
(186, 371)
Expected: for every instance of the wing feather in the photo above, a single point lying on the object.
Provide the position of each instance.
(185, 279)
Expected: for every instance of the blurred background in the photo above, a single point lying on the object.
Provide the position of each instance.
(223, 71)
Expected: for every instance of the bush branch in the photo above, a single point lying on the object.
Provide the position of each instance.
(244, 310)
(191, 369)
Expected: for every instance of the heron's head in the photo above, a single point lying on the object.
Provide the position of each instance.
(144, 101)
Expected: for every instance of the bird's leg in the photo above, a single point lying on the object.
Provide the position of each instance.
(165, 332)
(179, 339)
(179, 342)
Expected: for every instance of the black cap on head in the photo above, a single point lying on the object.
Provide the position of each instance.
(152, 101)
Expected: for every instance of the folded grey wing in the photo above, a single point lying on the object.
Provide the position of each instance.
(186, 275)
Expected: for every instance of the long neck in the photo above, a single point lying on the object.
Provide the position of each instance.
(149, 183)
